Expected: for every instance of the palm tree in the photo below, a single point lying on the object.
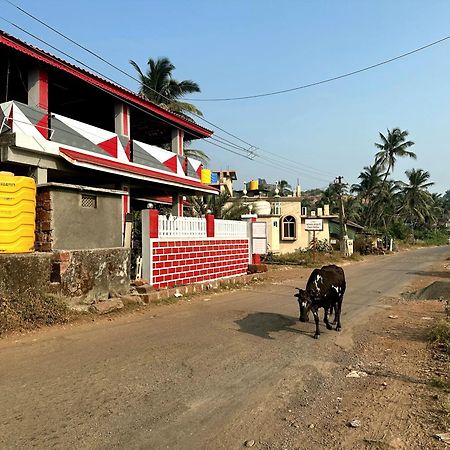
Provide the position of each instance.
(196, 154)
(394, 145)
(219, 205)
(284, 188)
(159, 86)
(417, 202)
(369, 184)
(384, 205)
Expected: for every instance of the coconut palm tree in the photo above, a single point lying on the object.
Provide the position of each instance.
(369, 184)
(392, 146)
(219, 205)
(159, 86)
(384, 205)
(417, 203)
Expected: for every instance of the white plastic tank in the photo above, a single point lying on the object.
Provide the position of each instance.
(262, 208)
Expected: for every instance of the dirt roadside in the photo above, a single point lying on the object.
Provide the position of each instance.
(219, 369)
(393, 404)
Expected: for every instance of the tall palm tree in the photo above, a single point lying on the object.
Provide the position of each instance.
(417, 202)
(369, 184)
(392, 146)
(384, 205)
(159, 86)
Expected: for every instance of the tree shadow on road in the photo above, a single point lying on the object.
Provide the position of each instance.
(263, 323)
(431, 274)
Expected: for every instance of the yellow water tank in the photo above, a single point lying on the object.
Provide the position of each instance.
(17, 213)
(206, 176)
(253, 185)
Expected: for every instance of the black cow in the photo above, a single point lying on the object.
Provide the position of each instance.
(325, 289)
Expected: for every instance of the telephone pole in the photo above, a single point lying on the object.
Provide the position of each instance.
(340, 186)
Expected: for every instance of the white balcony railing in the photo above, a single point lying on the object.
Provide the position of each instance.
(193, 227)
(181, 227)
(230, 229)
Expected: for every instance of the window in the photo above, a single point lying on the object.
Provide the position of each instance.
(88, 201)
(288, 228)
(276, 209)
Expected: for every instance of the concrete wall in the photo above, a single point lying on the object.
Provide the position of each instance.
(78, 227)
(78, 276)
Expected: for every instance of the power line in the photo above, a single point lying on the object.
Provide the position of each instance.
(133, 78)
(250, 152)
(326, 80)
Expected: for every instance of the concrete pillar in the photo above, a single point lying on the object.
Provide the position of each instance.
(38, 96)
(39, 174)
(122, 119)
(177, 141)
(38, 88)
(177, 205)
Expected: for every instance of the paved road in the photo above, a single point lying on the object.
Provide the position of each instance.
(197, 375)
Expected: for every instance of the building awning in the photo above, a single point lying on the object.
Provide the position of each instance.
(132, 170)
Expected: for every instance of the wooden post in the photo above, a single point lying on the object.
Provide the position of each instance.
(314, 246)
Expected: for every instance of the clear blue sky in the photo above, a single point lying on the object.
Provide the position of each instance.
(236, 47)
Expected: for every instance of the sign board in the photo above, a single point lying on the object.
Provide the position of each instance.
(313, 224)
(259, 230)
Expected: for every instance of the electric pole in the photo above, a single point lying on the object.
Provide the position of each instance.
(340, 186)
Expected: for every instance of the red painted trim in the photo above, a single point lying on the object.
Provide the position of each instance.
(99, 82)
(131, 168)
(43, 89)
(125, 118)
(153, 232)
(180, 206)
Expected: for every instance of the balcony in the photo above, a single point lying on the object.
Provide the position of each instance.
(88, 146)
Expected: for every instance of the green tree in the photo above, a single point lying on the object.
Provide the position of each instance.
(159, 86)
(392, 146)
(370, 183)
(284, 188)
(219, 205)
(417, 203)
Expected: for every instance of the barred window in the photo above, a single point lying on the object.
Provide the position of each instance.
(88, 201)
(288, 228)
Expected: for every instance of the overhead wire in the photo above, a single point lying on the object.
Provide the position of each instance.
(250, 152)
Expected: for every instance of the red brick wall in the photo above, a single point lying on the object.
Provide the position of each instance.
(184, 262)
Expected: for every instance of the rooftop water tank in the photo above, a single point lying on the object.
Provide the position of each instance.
(17, 213)
(262, 208)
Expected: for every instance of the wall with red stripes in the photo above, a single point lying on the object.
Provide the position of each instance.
(179, 262)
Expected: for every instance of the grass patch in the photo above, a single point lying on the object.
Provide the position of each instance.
(440, 335)
(306, 258)
(31, 312)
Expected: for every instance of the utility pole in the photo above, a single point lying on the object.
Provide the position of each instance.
(340, 186)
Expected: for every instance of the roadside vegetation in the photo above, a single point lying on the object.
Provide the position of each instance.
(32, 311)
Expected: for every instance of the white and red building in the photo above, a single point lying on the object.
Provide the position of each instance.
(97, 152)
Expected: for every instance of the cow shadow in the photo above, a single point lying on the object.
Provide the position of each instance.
(261, 324)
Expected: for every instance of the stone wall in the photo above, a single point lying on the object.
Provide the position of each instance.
(80, 276)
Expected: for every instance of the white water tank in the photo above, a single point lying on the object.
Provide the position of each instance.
(262, 208)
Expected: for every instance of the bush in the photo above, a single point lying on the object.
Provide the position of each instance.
(399, 230)
(432, 237)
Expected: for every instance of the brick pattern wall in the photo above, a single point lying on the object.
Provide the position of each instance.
(184, 262)
(43, 232)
